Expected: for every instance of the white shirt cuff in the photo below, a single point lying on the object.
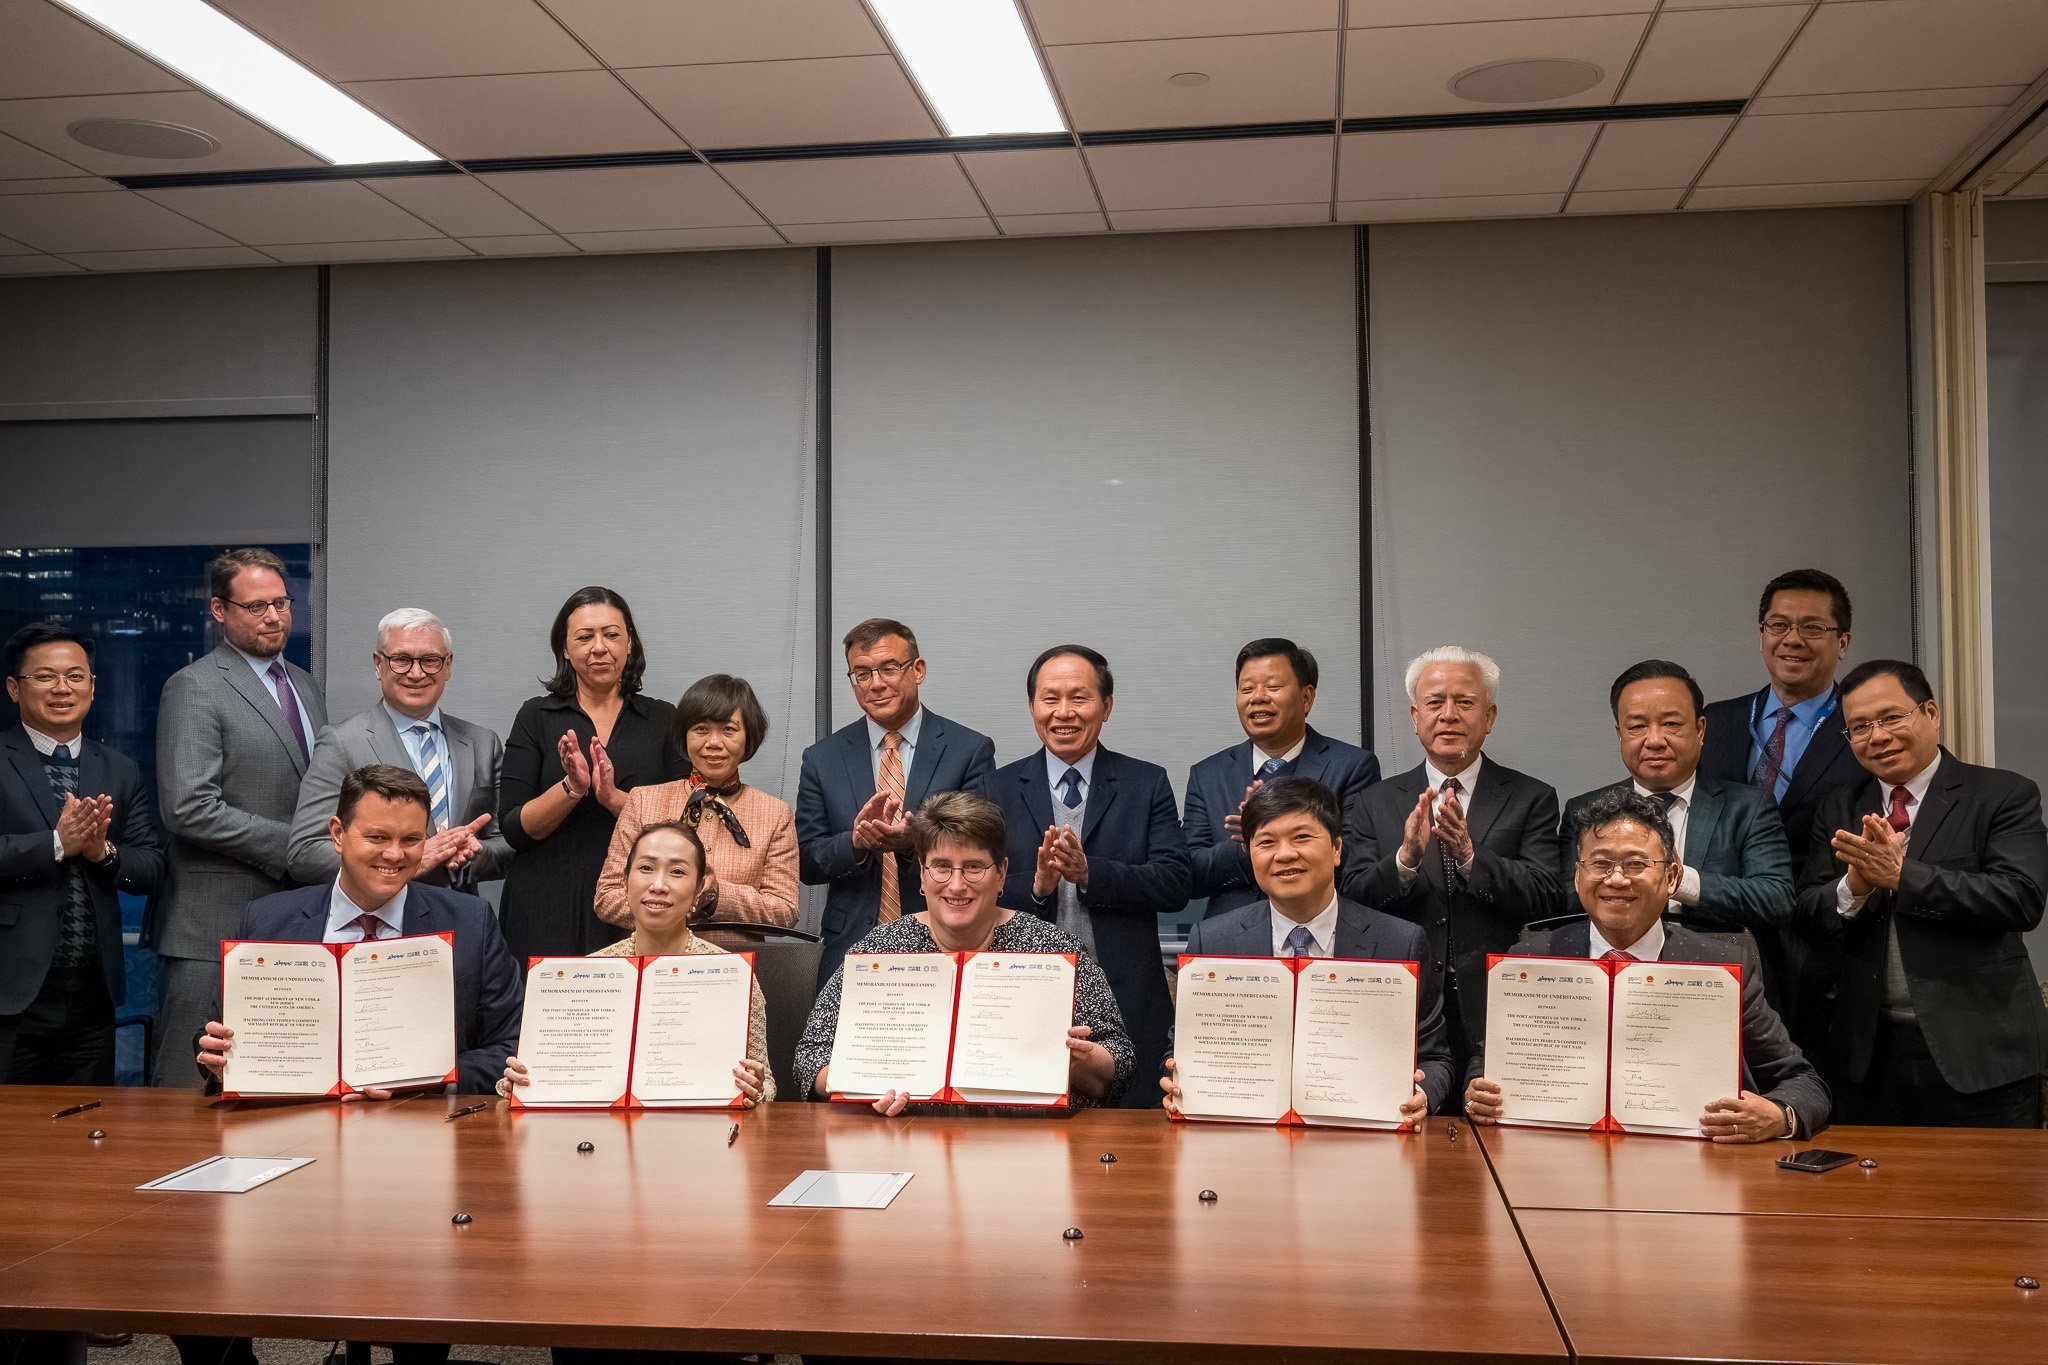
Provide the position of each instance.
(1688, 887)
(57, 844)
(1846, 902)
(1408, 874)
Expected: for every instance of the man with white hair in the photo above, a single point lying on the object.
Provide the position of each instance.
(459, 761)
(1461, 845)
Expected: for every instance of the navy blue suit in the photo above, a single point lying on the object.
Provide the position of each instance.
(1223, 870)
(489, 985)
(1137, 871)
(838, 779)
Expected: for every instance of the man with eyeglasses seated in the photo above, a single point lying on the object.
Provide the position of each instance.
(1625, 873)
(1928, 871)
(457, 759)
(860, 784)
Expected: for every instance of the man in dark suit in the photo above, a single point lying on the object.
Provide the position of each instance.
(1787, 741)
(1928, 872)
(1626, 873)
(1461, 845)
(76, 828)
(1276, 689)
(1735, 877)
(1095, 845)
(860, 784)
(1294, 828)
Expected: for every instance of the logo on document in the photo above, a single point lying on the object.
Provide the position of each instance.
(1649, 980)
(259, 962)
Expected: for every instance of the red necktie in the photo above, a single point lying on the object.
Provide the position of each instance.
(1618, 955)
(1897, 817)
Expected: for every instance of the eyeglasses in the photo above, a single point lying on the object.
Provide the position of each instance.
(281, 605)
(1778, 628)
(46, 678)
(888, 672)
(1862, 731)
(1603, 868)
(429, 664)
(941, 873)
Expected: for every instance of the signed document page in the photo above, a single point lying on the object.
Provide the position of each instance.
(1354, 1042)
(283, 1002)
(1546, 1040)
(895, 1029)
(694, 1012)
(576, 1031)
(1233, 1038)
(1010, 1046)
(398, 1013)
(1677, 1044)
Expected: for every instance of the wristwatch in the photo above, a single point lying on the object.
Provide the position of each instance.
(1791, 1122)
(113, 856)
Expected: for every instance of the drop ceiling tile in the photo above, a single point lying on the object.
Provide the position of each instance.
(2033, 187)
(1293, 170)
(774, 104)
(908, 230)
(1797, 148)
(1915, 45)
(678, 239)
(75, 184)
(1445, 209)
(190, 258)
(361, 40)
(459, 205)
(10, 247)
(1092, 21)
(1051, 224)
(864, 190)
(1731, 4)
(1710, 54)
(1269, 78)
(1625, 201)
(1967, 97)
(37, 265)
(1383, 13)
(1787, 196)
(1245, 215)
(1462, 162)
(19, 161)
(318, 253)
(520, 244)
(552, 114)
(313, 211)
(51, 52)
(668, 33)
(625, 198)
(1390, 71)
(244, 143)
(99, 222)
(1052, 181)
(1651, 155)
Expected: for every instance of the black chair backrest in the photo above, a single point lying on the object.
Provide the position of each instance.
(786, 966)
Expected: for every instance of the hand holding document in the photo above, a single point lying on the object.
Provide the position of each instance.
(969, 1028)
(634, 1032)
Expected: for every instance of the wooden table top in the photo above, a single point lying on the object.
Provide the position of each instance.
(1973, 1173)
(1336, 1245)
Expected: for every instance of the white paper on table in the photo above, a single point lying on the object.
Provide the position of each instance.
(283, 1003)
(842, 1190)
(694, 1014)
(1233, 1038)
(228, 1174)
(1354, 1041)
(895, 1028)
(1010, 1042)
(398, 1012)
(1677, 1043)
(1546, 1040)
(576, 1032)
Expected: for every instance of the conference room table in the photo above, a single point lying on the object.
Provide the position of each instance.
(1321, 1244)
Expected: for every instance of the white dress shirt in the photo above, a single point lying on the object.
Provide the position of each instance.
(1680, 815)
(1322, 929)
(1916, 796)
(1648, 948)
(1260, 757)
(1056, 769)
(342, 914)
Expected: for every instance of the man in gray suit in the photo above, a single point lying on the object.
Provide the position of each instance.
(234, 733)
(459, 761)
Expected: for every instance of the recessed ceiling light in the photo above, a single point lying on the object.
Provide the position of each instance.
(220, 56)
(143, 138)
(1188, 78)
(1531, 80)
(975, 63)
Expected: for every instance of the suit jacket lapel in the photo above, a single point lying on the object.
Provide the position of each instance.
(1572, 940)
(423, 915)
(1101, 792)
(859, 765)
(461, 762)
(1828, 743)
(387, 745)
(1037, 793)
(1355, 935)
(1253, 940)
(1703, 821)
(1488, 802)
(92, 770)
(1314, 760)
(243, 679)
(931, 747)
(1940, 800)
(28, 764)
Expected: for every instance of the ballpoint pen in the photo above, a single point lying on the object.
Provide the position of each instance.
(468, 1109)
(76, 1109)
(732, 1135)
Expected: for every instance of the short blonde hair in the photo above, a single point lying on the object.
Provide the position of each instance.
(1489, 671)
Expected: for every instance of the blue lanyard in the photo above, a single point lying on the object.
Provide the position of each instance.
(1756, 714)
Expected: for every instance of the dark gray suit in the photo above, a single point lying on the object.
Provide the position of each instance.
(227, 772)
(1772, 1064)
(1363, 933)
(1223, 869)
(475, 758)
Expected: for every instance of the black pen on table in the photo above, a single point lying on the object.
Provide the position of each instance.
(467, 1109)
(76, 1109)
(732, 1135)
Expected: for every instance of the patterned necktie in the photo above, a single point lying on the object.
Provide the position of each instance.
(1300, 942)
(1618, 955)
(1070, 788)
(433, 773)
(77, 931)
(1270, 769)
(1771, 766)
(1450, 789)
(372, 927)
(288, 702)
(891, 782)
(1897, 817)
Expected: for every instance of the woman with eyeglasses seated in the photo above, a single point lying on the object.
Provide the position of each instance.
(959, 839)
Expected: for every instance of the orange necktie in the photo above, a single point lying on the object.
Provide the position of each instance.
(891, 782)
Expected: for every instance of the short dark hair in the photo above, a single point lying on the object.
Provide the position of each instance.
(1616, 807)
(963, 818)
(1104, 683)
(1286, 796)
(1909, 675)
(670, 827)
(1300, 660)
(875, 629)
(713, 699)
(563, 684)
(1648, 670)
(387, 780)
(1807, 580)
(220, 574)
(36, 634)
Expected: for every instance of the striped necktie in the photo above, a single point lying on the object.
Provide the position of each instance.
(434, 772)
(891, 782)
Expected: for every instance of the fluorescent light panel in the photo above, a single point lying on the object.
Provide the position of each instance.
(975, 61)
(220, 56)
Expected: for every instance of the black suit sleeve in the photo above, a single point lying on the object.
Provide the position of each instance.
(823, 855)
(1157, 885)
(1524, 884)
(139, 848)
(1214, 866)
(1776, 1067)
(1432, 1041)
(981, 765)
(2004, 890)
(1370, 874)
(501, 991)
(1758, 897)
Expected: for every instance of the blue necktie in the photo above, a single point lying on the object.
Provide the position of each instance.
(1070, 788)
(1300, 942)
(1270, 769)
(433, 773)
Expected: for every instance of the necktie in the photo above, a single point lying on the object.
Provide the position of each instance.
(1300, 942)
(1450, 789)
(1070, 788)
(1897, 817)
(891, 781)
(1665, 801)
(77, 929)
(1270, 769)
(372, 927)
(1618, 955)
(288, 702)
(434, 774)
(1771, 766)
